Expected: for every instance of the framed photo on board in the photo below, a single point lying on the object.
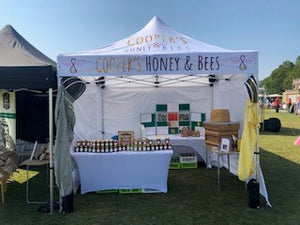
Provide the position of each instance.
(162, 117)
(125, 138)
(225, 145)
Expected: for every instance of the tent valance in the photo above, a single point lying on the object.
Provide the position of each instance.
(157, 49)
(28, 77)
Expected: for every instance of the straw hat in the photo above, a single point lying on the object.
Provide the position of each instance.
(220, 115)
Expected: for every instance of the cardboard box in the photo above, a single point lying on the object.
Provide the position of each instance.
(187, 158)
(174, 164)
(189, 165)
(130, 191)
(107, 191)
(150, 190)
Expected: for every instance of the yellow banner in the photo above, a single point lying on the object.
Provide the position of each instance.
(7, 119)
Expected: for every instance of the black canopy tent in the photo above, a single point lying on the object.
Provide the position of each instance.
(29, 73)
(29, 77)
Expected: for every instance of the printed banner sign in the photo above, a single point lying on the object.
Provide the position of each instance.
(190, 63)
(157, 49)
(7, 120)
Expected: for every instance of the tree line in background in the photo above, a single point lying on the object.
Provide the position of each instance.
(281, 78)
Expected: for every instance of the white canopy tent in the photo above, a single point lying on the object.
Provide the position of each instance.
(156, 56)
(156, 65)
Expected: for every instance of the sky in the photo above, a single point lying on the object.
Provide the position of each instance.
(272, 27)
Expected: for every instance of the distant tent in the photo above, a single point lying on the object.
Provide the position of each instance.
(25, 70)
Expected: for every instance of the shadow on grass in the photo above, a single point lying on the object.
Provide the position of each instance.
(283, 183)
(284, 131)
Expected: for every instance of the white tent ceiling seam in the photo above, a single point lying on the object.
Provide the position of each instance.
(156, 80)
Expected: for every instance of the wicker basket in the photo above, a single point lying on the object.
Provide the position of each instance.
(195, 133)
(185, 132)
(220, 115)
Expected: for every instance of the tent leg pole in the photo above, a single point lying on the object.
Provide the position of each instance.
(102, 111)
(257, 143)
(257, 156)
(51, 147)
(207, 151)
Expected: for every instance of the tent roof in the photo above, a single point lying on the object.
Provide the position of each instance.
(16, 51)
(155, 38)
(157, 49)
(22, 66)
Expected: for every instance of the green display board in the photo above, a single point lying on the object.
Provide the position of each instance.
(171, 118)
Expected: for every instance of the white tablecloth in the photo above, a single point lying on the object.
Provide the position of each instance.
(123, 170)
(185, 144)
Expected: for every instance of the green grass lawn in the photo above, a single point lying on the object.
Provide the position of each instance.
(192, 196)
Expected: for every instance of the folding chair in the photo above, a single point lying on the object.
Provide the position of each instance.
(24, 150)
(34, 161)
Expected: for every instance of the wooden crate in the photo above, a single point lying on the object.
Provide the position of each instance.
(214, 131)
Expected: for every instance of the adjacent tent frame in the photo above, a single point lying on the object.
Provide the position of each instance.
(25, 68)
(29, 73)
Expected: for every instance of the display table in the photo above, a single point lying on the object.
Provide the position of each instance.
(123, 170)
(179, 143)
